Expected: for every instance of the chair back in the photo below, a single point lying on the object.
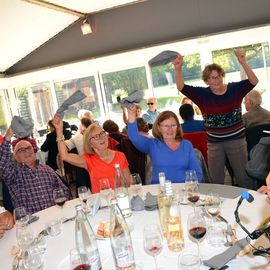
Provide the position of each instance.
(254, 134)
(198, 140)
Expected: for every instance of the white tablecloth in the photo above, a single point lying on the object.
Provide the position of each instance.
(57, 255)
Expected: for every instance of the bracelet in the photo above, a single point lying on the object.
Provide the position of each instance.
(60, 139)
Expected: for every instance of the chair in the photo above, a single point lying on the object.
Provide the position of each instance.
(198, 140)
(135, 158)
(254, 134)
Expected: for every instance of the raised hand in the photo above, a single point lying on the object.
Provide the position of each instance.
(9, 134)
(241, 55)
(131, 113)
(57, 122)
(178, 61)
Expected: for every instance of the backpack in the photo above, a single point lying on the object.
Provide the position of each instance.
(258, 166)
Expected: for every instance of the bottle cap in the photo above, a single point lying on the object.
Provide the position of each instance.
(116, 165)
(162, 178)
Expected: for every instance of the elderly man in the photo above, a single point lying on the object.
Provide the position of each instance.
(152, 112)
(255, 115)
(6, 221)
(30, 184)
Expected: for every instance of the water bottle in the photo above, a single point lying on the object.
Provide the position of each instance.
(86, 241)
(121, 243)
(121, 192)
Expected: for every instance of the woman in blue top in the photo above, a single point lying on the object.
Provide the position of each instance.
(168, 151)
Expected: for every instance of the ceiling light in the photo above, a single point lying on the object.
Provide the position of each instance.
(86, 26)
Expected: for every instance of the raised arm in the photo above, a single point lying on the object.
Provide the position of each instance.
(125, 119)
(241, 56)
(178, 64)
(73, 159)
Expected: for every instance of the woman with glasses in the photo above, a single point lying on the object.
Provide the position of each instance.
(168, 151)
(220, 104)
(97, 159)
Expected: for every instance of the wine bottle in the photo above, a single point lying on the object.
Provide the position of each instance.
(175, 239)
(86, 241)
(121, 192)
(164, 203)
(121, 243)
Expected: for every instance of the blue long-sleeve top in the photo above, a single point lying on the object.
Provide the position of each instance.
(173, 163)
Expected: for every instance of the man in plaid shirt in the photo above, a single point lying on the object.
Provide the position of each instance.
(30, 184)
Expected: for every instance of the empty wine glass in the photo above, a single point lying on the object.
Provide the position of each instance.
(212, 205)
(20, 215)
(152, 241)
(105, 190)
(136, 184)
(84, 194)
(196, 226)
(24, 236)
(60, 199)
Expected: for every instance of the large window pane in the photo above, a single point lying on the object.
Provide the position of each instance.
(35, 103)
(164, 81)
(87, 85)
(121, 83)
(3, 113)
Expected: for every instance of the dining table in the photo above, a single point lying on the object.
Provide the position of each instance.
(58, 247)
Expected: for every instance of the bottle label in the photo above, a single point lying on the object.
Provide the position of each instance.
(94, 260)
(123, 201)
(123, 256)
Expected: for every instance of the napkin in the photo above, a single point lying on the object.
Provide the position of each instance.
(135, 97)
(21, 128)
(150, 203)
(137, 203)
(74, 98)
(162, 58)
(220, 260)
(96, 205)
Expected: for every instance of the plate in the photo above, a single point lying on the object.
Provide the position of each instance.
(98, 237)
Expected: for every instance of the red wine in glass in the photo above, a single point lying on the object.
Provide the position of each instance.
(60, 201)
(197, 232)
(154, 250)
(193, 198)
(83, 266)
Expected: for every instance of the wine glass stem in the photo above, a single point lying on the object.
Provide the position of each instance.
(62, 211)
(155, 259)
(199, 252)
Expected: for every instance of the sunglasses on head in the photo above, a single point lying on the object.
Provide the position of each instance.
(150, 103)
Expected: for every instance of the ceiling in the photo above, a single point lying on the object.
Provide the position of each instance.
(35, 37)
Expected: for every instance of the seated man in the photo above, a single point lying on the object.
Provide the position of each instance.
(255, 115)
(30, 184)
(186, 112)
(151, 114)
(6, 221)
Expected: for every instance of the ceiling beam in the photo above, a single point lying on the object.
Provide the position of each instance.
(56, 7)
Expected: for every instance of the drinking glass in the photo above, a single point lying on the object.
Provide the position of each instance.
(192, 192)
(188, 262)
(152, 241)
(212, 205)
(84, 194)
(24, 236)
(105, 190)
(20, 215)
(60, 199)
(196, 226)
(136, 184)
(32, 259)
(78, 262)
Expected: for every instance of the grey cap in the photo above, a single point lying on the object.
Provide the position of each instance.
(21, 128)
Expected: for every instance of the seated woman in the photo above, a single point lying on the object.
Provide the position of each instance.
(113, 130)
(98, 159)
(168, 151)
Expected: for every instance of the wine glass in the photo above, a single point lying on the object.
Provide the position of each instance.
(84, 194)
(196, 226)
(20, 215)
(192, 192)
(24, 236)
(136, 184)
(212, 205)
(60, 199)
(105, 189)
(152, 241)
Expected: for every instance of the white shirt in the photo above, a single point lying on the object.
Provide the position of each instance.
(2, 210)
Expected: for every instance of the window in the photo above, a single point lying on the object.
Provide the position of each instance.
(3, 113)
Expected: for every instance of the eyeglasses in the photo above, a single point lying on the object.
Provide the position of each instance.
(169, 126)
(28, 149)
(150, 103)
(98, 136)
